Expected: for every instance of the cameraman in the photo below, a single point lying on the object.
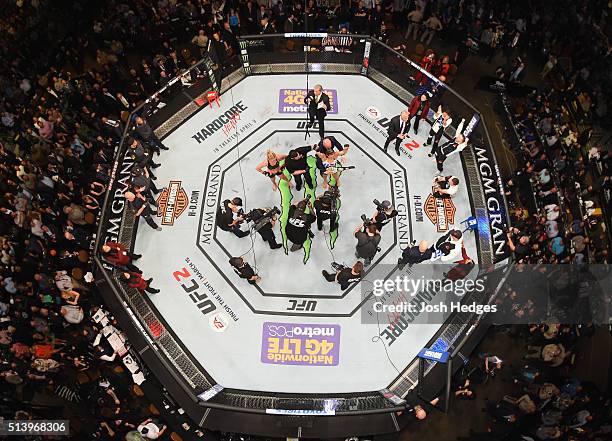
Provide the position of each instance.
(298, 224)
(244, 270)
(384, 214)
(345, 276)
(451, 245)
(415, 254)
(326, 207)
(264, 221)
(225, 217)
(368, 239)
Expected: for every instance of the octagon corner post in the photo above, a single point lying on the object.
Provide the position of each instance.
(211, 74)
(244, 57)
(366, 57)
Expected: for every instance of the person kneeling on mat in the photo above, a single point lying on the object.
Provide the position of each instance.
(263, 222)
(326, 207)
(415, 254)
(345, 276)
(244, 270)
(298, 224)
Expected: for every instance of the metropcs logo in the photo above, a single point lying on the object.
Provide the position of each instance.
(440, 211)
(172, 202)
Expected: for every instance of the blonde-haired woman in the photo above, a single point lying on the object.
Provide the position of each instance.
(329, 160)
(271, 167)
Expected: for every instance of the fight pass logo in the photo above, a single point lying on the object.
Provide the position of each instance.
(172, 202)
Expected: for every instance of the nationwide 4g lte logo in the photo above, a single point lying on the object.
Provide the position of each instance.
(171, 203)
(440, 211)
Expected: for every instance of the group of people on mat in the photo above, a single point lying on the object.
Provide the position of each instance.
(298, 168)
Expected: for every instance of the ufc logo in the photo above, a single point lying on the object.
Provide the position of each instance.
(304, 305)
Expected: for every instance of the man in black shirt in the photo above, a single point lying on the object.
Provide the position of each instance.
(141, 156)
(296, 163)
(345, 276)
(326, 207)
(368, 239)
(382, 218)
(141, 209)
(244, 270)
(415, 254)
(147, 134)
(298, 224)
(141, 183)
(225, 217)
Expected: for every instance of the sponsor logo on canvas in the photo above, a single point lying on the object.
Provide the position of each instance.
(172, 202)
(373, 112)
(292, 100)
(218, 322)
(440, 211)
(300, 344)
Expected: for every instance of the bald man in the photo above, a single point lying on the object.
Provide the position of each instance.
(318, 106)
(397, 130)
(415, 254)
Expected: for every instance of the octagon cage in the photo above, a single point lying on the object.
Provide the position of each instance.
(289, 414)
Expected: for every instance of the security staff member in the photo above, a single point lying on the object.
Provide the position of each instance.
(368, 239)
(397, 131)
(244, 270)
(296, 163)
(298, 224)
(140, 155)
(382, 218)
(225, 217)
(266, 231)
(326, 207)
(345, 276)
(318, 105)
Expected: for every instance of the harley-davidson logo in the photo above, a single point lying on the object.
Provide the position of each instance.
(171, 203)
(440, 211)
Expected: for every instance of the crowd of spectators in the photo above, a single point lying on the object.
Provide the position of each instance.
(546, 401)
(67, 87)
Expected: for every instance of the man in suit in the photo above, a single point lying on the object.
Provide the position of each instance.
(455, 145)
(397, 130)
(418, 109)
(318, 105)
(326, 145)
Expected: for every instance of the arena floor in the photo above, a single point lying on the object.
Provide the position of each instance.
(295, 332)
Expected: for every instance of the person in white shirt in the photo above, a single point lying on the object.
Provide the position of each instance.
(415, 18)
(432, 25)
(445, 186)
(441, 120)
(150, 429)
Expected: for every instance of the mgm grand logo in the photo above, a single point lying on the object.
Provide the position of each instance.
(171, 203)
(440, 211)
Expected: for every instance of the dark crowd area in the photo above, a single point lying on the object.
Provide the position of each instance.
(74, 70)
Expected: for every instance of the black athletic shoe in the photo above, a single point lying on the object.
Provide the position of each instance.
(275, 247)
(296, 247)
(153, 165)
(136, 256)
(397, 152)
(429, 154)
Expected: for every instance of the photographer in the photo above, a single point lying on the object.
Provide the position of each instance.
(415, 254)
(298, 224)
(263, 223)
(368, 239)
(244, 270)
(326, 207)
(384, 214)
(225, 217)
(345, 276)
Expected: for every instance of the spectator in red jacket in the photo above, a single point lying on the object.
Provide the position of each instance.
(135, 280)
(117, 255)
(419, 107)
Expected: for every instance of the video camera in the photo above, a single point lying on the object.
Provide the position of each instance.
(366, 221)
(379, 205)
(337, 266)
(260, 220)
